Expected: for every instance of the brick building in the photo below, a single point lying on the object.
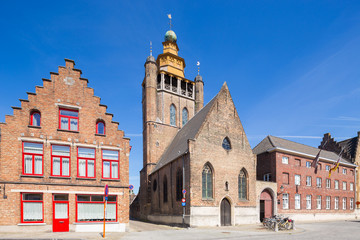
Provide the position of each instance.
(57, 152)
(203, 150)
(301, 193)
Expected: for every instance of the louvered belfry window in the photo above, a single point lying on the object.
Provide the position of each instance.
(207, 182)
(242, 185)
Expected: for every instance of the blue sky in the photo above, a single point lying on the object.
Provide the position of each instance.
(292, 66)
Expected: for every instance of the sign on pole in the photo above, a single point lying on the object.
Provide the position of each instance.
(131, 187)
(183, 200)
(184, 191)
(183, 204)
(106, 193)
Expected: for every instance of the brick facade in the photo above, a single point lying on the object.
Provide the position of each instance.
(64, 90)
(271, 162)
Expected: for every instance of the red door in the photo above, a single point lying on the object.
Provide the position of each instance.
(266, 205)
(60, 213)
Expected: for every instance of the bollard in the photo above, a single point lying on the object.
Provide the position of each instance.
(293, 225)
(276, 227)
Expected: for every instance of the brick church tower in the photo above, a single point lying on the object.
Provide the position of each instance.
(169, 100)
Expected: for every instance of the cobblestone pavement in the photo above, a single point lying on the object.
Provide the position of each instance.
(140, 230)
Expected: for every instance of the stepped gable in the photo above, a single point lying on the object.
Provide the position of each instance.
(66, 78)
(179, 145)
(349, 146)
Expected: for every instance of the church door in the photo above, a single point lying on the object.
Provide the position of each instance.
(225, 212)
(266, 205)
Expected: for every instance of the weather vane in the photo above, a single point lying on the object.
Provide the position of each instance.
(169, 16)
(198, 64)
(150, 48)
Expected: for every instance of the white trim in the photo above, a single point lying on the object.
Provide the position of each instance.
(27, 139)
(59, 142)
(60, 191)
(85, 145)
(67, 106)
(31, 224)
(111, 148)
(308, 155)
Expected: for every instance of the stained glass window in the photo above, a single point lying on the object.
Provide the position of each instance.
(226, 144)
(242, 185)
(207, 185)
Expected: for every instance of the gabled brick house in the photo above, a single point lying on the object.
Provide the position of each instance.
(57, 152)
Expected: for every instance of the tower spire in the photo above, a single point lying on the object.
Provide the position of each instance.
(150, 48)
(169, 16)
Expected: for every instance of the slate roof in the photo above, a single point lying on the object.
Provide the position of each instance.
(271, 142)
(179, 144)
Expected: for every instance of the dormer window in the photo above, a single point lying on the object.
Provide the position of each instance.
(226, 144)
(100, 127)
(69, 119)
(35, 118)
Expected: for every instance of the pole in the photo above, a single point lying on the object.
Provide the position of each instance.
(183, 187)
(104, 219)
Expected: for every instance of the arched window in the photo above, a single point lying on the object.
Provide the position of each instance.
(165, 190)
(185, 116)
(35, 118)
(207, 182)
(242, 185)
(179, 184)
(226, 143)
(100, 127)
(172, 115)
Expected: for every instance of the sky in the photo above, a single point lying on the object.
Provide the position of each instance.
(292, 67)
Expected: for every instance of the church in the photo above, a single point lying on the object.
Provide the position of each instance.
(198, 166)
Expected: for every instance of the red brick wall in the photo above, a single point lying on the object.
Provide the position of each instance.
(304, 190)
(65, 88)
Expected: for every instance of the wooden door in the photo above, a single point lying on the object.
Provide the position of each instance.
(266, 205)
(225, 212)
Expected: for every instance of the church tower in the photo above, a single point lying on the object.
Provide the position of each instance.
(169, 100)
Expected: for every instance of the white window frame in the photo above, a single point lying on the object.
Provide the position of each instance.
(285, 160)
(351, 186)
(336, 184)
(318, 202)
(344, 203)
(308, 164)
(285, 199)
(336, 205)
(318, 182)
(328, 183)
(308, 201)
(267, 177)
(344, 171)
(351, 203)
(308, 181)
(344, 185)
(328, 202)
(297, 201)
(297, 179)
(327, 168)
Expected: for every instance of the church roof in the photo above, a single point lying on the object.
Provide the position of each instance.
(271, 143)
(179, 144)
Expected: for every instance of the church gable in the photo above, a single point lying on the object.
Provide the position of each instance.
(223, 124)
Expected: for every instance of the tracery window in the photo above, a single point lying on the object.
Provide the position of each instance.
(207, 182)
(226, 143)
(185, 116)
(242, 179)
(172, 115)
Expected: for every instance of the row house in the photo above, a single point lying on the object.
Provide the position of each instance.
(57, 153)
(302, 193)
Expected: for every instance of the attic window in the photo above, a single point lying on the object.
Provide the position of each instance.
(226, 144)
